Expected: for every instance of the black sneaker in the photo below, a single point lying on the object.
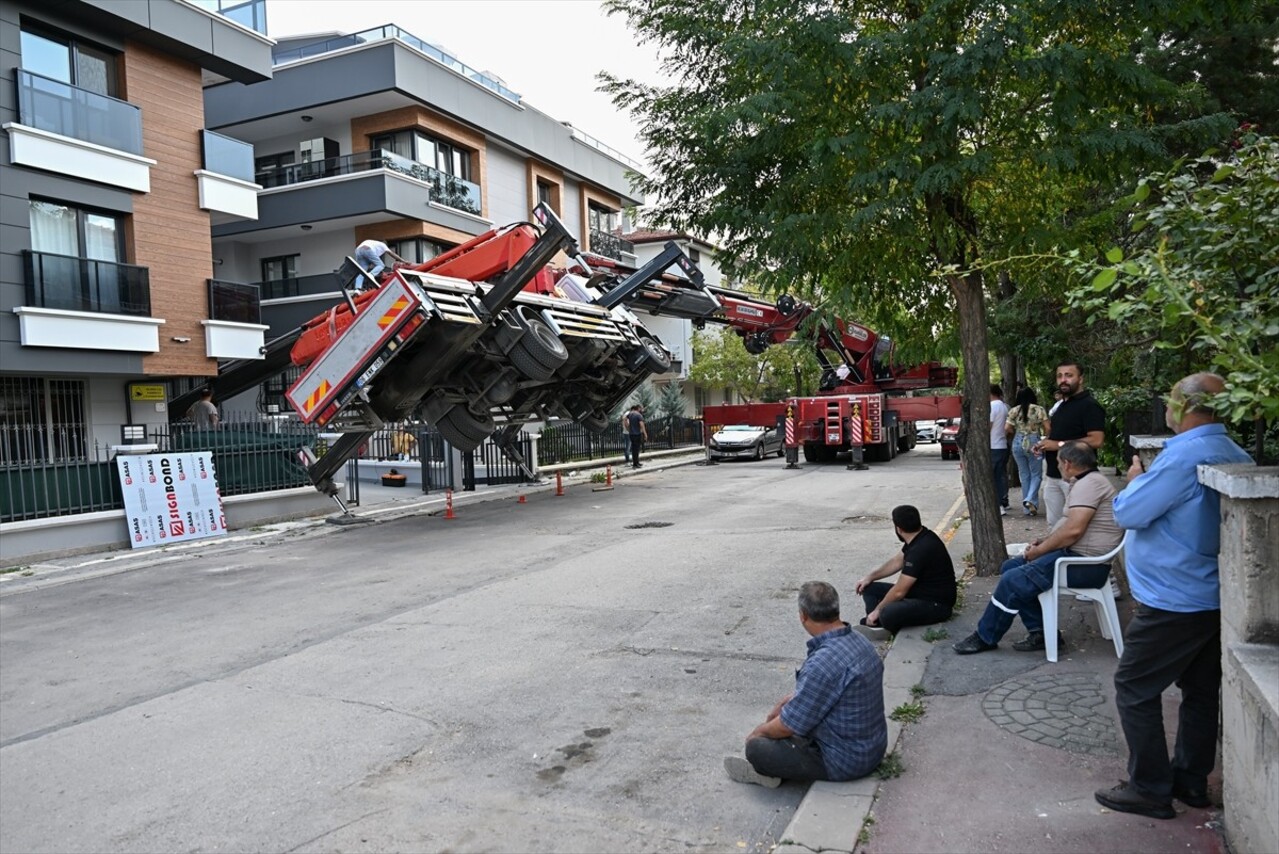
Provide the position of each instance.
(973, 643)
(1124, 798)
(1192, 797)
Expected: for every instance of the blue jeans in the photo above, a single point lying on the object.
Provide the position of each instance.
(370, 261)
(999, 465)
(1029, 467)
(1021, 582)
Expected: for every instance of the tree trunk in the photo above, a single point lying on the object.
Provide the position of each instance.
(989, 551)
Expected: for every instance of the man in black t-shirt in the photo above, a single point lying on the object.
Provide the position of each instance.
(1078, 416)
(925, 592)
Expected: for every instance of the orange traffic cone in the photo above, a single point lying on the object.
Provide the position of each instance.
(559, 483)
(448, 504)
(608, 475)
(521, 500)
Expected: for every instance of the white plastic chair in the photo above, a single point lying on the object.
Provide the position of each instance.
(1102, 597)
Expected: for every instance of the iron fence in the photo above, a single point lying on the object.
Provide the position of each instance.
(570, 442)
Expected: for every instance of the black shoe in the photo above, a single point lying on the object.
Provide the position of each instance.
(1191, 797)
(1034, 642)
(1124, 798)
(973, 643)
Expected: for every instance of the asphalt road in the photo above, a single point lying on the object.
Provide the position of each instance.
(562, 675)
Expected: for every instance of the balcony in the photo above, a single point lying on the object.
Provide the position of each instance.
(226, 181)
(87, 304)
(390, 31)
(65, 129)
(234, 329)
(610, 245)
(446, 190)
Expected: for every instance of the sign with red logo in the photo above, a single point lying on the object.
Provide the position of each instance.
(169, 498)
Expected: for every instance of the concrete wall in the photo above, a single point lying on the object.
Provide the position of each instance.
(1250, 652)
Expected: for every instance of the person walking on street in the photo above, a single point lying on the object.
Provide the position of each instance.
(203, 414)
(1077, 417)
(626, 437)
(925, 591)
(1174, 537)
(832, 726)
(637, 432)
(1027, 421)
(999, 445)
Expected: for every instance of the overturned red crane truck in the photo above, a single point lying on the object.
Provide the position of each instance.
(861, 406)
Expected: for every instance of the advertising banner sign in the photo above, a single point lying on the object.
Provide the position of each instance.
(169, 498)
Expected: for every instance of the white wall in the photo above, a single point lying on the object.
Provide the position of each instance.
(507, 186)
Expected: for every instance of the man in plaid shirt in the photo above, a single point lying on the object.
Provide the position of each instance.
(832, 727)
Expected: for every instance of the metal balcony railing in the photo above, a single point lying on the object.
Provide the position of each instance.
(83, 284)
(390, 31)
(51, 105)
(234, 302)
(446, 190)
(610, 245)
(227, 156)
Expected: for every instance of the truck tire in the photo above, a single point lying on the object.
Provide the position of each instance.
(596, 422)
(463, 429)
(539, 352)
(655, 359)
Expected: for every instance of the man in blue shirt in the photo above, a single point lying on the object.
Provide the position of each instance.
(1174, 526)
(832, 727)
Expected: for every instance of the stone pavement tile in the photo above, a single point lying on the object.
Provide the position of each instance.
(829, 818)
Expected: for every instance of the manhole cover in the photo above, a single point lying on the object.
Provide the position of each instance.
(1066, 711)
(650, 525)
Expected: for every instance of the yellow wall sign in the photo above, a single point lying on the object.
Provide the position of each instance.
(139, 391)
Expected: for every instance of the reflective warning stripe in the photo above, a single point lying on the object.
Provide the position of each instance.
(393, 312)
(316, 397)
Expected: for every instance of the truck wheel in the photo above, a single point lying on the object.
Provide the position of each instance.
(463, 429)
(539, 352)
(655, 359)
(596, 422)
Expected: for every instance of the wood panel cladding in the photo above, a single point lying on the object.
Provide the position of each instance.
(170, 235)
(535, 172)
(403, 229)
(364, 128)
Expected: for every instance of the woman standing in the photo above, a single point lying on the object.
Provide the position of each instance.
(1028, 422)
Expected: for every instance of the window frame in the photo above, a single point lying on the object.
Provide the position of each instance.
(75, 48)
(82, 235)
(59, 441)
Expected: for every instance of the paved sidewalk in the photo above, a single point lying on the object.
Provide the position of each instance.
(1008, 753)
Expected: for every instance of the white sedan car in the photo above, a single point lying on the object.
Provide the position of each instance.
(743, 441)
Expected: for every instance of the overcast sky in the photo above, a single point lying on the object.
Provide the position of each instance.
(549, 51)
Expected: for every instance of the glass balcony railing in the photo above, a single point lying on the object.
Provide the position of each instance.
(83, 284)
(234, 302)
(390, 31)
(278, 288)
(226, 156)
(446, 190)
(57, 107)
(610, 245)
(250, 13)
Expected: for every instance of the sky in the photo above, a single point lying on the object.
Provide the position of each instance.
(548, 51)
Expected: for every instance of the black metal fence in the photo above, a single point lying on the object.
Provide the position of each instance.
(570, 442)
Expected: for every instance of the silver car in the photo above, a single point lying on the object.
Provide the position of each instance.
(744, 441)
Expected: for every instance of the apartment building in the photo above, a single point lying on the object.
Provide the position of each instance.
(109, 182)
(381, 134)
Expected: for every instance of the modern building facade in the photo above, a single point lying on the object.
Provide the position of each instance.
(109, 183)
(380, 134)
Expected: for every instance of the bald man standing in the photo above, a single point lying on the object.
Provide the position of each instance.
(1174, 536)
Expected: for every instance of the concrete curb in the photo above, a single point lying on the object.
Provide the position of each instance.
(832, 815)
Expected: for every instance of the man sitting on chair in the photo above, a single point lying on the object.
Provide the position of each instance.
(1087, 530)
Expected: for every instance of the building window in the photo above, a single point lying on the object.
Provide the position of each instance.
(415, 250)
(268, 169)
(431, 151)
(701, 398)
(546, 195)
(694, 255)
(280, 276)
(69, 61)
(602, 219)
(42, 421)
(60, 229)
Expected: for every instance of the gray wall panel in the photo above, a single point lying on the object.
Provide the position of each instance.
(182, 24)
(28, 182)
(17, 359)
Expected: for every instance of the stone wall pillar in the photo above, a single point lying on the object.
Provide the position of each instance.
(1250, 651)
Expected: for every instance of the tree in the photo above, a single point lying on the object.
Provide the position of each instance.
(878, 157)
(1199, 273)
(720, 361)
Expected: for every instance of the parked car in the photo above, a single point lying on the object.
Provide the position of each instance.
(925, 432)
(949, 438)
(738, 441)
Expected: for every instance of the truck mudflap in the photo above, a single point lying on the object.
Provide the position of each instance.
(360, 352)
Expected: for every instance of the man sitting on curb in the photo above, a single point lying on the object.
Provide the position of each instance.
(1088, 529)
(925, 592)
(832, 727)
